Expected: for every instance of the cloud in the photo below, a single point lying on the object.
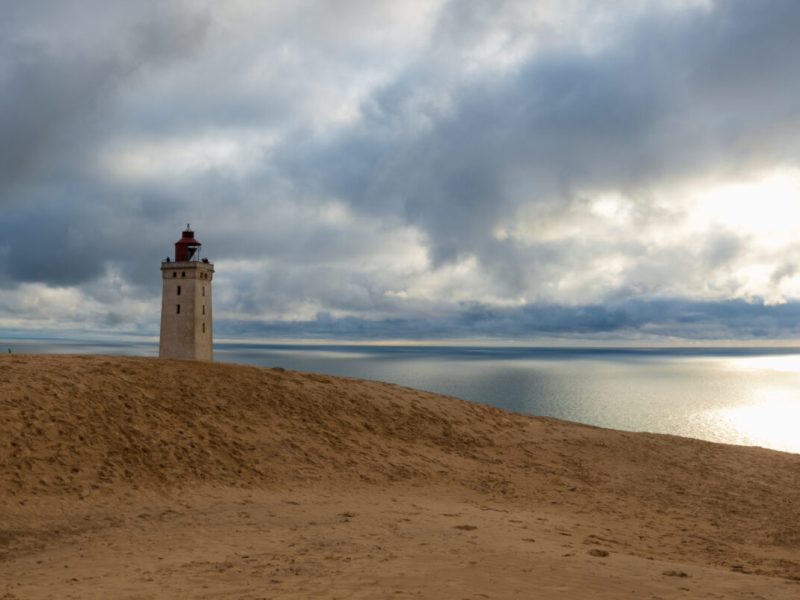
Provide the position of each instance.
(674, 97)
(548, 164)
(630, 320)
(53, 87)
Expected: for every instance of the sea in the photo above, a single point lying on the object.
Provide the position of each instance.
(747, 396)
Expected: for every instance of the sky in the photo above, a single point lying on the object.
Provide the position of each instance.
(431, 170)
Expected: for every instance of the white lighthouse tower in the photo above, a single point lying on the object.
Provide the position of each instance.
(186, 330)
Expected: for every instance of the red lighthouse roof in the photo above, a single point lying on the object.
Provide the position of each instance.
(187, 248)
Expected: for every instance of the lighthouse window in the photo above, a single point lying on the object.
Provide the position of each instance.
(174, 274)
(183, 273)
(179, 290)
(204, 309)
(177, 312)
(204, 327)
(204, 290)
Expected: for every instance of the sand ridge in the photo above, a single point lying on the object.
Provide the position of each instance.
(89, 443)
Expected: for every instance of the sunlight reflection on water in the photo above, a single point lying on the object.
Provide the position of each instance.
(770, 415)
(779, 364)
(771, 422)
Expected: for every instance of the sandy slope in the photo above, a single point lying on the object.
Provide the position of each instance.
(140, 478)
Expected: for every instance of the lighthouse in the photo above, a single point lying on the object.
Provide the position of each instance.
(186, 330)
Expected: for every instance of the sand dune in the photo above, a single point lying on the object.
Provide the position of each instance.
(144, 478)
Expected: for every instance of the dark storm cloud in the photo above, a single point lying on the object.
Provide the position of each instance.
(63, 242)
(41, 96)
(54, 90)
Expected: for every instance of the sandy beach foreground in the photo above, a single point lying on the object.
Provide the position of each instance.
(139, 478)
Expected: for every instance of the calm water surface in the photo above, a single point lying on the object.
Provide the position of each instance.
(742, 396)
